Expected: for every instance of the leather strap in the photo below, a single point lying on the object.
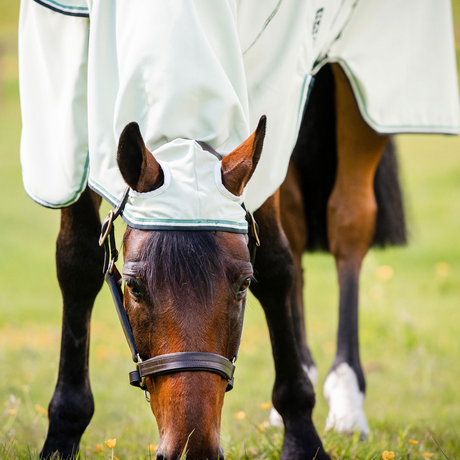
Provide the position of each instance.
(183, 362)
(209, 149)
(114, 282)
(108, 232)
(253, 234)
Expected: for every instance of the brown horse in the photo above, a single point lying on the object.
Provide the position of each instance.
(185, 291)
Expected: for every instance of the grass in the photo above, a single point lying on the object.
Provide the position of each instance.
(409, 323)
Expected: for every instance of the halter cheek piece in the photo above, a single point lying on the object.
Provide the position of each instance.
(171, 362)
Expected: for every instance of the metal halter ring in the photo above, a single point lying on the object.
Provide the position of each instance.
(107, 230)
(142, 383)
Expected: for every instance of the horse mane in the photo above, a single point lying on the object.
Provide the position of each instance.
(186, 263)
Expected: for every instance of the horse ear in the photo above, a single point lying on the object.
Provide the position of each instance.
(137, 165)
(239, 165)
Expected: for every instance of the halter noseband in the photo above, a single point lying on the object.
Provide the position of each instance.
(171, 362)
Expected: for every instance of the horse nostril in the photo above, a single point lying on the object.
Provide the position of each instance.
(160, 455)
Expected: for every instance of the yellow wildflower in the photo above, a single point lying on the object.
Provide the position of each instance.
(100, 446)
(388, 455)
(263, 426)
(40, 409)
(110, 443)
(266, 405)
(427, 454)
(153, 448)
(442, 268)
(115, 457)
(413, 441)
(240, 415)
(385, 272)
(12, 412)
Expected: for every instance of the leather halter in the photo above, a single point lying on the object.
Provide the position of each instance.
(171, 362)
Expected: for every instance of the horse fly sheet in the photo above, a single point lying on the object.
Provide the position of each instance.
(206, 70)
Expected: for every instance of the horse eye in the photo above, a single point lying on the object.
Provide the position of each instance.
(245, 285)
(134, 288)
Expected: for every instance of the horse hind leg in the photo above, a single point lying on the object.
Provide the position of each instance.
(79, 262)
(351, 216)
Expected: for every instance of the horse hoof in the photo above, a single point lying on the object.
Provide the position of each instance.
(345, 400)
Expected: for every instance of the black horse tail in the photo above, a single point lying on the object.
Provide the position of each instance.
(315, 157)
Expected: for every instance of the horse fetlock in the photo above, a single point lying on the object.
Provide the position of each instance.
(345, 399)
(73, 404)
(301, 441)
(294, 400)
(69, 414)
(275, 418)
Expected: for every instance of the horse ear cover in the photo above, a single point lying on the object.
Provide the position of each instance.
(137, 165)
(239, 165)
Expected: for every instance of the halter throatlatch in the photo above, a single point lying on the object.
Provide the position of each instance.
(171, 362)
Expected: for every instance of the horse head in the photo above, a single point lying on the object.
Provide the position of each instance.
(185, 292)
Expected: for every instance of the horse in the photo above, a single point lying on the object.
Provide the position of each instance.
(182, 303)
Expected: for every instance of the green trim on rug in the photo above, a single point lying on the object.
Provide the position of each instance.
(359, 96)
(67, 7)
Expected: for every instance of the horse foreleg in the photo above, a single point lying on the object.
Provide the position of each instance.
(294, 225)
(293, 394)
(351, 218)
(79, 261)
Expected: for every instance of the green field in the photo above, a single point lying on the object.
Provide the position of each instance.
(410, 323)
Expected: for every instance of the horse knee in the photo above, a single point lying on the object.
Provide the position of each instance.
(79, 267)
(275, 273)
(79, 259)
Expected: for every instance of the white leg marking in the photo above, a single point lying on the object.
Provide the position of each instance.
(312, 373)
(275, 418)
(345, 400)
